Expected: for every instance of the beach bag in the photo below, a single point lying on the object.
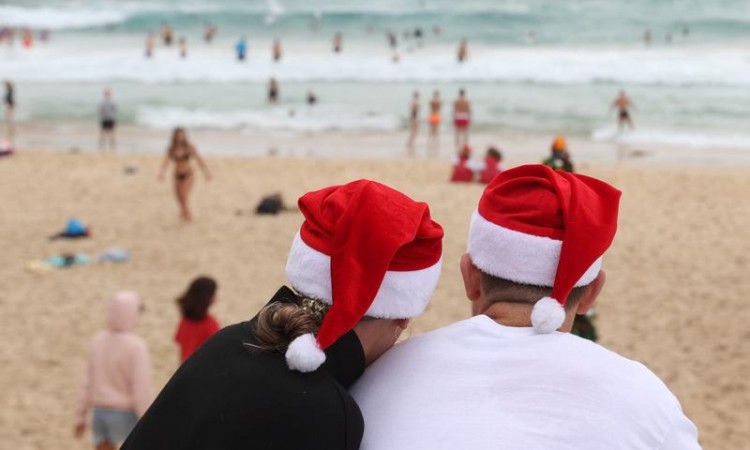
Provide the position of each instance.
(269, 205)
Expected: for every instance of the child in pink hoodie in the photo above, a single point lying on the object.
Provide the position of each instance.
(117, 380)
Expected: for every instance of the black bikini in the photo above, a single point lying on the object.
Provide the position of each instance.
(182, 176)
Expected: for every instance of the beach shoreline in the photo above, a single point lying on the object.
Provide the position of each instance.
(517, 148)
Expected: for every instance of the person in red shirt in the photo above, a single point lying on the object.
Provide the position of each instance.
(492, 165)
(462, 173)
(197, 325)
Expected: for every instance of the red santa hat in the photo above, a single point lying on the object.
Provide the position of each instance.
(538, 226)
(366, 250)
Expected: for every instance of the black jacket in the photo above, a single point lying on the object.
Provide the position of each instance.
(229, 396)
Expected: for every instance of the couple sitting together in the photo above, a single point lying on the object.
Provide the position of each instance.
(315, 368)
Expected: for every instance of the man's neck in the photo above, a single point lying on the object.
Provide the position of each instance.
(509, 314)
(512, 314)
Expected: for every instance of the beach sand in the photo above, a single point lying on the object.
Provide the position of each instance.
(676, 297)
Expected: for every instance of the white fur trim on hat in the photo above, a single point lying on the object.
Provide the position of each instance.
(547, 315)
(519, 257)
(304, 354)
(402, 295)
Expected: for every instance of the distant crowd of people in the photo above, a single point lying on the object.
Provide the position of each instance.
(27, 36)
(461, 121)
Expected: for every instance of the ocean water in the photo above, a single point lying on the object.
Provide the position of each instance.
(535, 66)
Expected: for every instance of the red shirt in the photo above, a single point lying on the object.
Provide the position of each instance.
(461, 173)
(491, 169)
(191, 334)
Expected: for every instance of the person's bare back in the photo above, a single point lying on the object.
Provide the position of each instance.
(461, 105)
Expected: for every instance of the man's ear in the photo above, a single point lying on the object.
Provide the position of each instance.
(589, 298)
(472, 278)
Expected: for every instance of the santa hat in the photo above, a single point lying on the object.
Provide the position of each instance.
(366, 250)
(538, 226)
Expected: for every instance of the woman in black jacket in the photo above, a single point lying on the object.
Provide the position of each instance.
(366, 259)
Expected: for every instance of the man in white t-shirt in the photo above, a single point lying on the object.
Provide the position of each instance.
(512, 376)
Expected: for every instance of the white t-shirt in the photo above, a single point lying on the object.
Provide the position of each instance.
(477, 385)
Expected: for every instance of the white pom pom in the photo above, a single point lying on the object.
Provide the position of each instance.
(547, 316)
(304, 354)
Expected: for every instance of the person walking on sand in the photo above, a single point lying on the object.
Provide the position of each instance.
(116, 383)
(196, 325)
(9, 101)
(276, 50)
(461, 119)
(180, 152)
(623, 104)
(413, 122)
(108, 121)
(512, 376)
(433, 140)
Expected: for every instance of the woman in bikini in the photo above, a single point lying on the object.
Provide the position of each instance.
(180, 151)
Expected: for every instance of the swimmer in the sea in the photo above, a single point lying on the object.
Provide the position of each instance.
(209, 31)
(463, 50)
(462, 119)
(338, 42)
(433, 140)
(276, 50)
(312, 99)
(150, 45)
(166, 34)
(273, 91)
(182, 43)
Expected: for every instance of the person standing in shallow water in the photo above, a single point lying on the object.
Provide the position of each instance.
(413, 122)
(108, 121)
(180, 152)
(462, 119)
(338, 42)
(273, 91)
(241, 48)
(9, 101)
(150, 45)
(463, 51)
(276, 51)
(623, 105)
(433, 140)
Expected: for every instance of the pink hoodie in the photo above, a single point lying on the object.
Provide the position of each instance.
(118, 373)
